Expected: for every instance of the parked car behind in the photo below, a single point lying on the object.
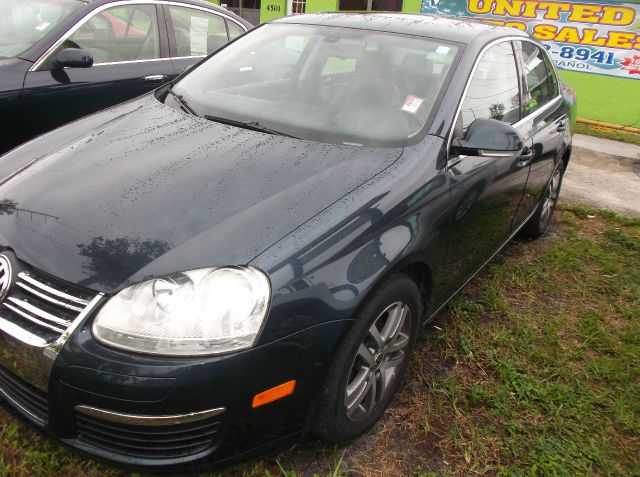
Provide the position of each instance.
(63, 59)
(250, 252)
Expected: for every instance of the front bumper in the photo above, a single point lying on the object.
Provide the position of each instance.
(87, 375)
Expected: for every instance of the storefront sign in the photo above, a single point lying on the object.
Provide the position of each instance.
(601, 38)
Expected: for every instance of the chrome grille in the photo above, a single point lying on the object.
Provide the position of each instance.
(43, 306)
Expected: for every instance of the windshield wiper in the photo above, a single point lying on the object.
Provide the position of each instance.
(183, 102)
(253, 125)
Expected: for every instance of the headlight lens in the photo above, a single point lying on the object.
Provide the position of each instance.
(205, 311)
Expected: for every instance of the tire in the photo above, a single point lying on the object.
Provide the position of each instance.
(367, 369)
(541, 219)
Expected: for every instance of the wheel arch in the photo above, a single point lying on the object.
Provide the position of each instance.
(413, 267)
(420, 273)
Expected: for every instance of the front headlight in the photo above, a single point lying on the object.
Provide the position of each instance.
(205, 311)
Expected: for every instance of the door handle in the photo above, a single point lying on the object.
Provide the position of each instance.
(526, 157)
(155, 78)
(562, 125)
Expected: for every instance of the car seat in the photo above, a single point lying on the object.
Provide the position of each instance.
(414, 76)
(370, 103)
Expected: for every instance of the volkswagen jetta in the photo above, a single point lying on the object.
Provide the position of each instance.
(250, 251)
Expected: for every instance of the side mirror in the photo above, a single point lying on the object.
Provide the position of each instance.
(488, 137)
(73, 58)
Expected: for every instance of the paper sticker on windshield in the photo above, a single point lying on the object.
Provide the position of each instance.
(43, 26)
(412, 104)
(198, 35)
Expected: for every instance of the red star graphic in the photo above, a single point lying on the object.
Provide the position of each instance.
(632, 64)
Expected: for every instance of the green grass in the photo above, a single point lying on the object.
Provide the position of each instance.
(547, 353)
(606, 98)
(607, 133)
(533, 370)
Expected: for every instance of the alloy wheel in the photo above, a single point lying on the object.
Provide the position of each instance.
(378, 361)
(550, 199)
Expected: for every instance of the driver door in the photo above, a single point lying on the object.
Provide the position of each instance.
(130, 56)
(486, 190)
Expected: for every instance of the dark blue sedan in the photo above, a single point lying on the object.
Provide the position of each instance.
(63, 59)
(250, 251)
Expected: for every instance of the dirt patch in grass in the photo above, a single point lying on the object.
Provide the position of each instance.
(533, 370)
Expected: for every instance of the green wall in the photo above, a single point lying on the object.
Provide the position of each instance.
(271, 9)
(314, 6)
(412, 6)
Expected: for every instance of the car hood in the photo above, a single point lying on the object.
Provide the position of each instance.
(9, 62)
(12, 71)
(155, 191)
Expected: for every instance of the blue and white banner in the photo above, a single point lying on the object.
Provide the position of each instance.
(593, 37)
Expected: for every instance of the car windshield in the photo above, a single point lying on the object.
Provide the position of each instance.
(24, 22)
(321, 83)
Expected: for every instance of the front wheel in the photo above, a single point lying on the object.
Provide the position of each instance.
(370, 363)
(541, 219)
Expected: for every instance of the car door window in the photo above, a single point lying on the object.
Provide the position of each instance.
(197, 33)
(494, 91)
(122, 33)
(235, 30)
(542, 85)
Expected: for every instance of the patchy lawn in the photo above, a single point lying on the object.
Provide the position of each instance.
(607, 133)
(533, 370)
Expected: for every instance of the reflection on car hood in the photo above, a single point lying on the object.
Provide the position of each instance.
(157, 191)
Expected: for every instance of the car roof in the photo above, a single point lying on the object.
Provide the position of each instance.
(432, 26)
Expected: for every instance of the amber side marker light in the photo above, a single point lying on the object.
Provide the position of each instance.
(273, 394)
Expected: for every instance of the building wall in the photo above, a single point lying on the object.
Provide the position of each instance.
(315, 6)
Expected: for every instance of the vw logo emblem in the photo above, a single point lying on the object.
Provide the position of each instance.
(5, 276)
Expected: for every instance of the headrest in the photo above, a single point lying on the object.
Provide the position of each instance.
(415, 66)
(372, 64)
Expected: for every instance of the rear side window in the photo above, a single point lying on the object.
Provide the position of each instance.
(494, 91)
(235, 30)
(542, 85)
(197, 33)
